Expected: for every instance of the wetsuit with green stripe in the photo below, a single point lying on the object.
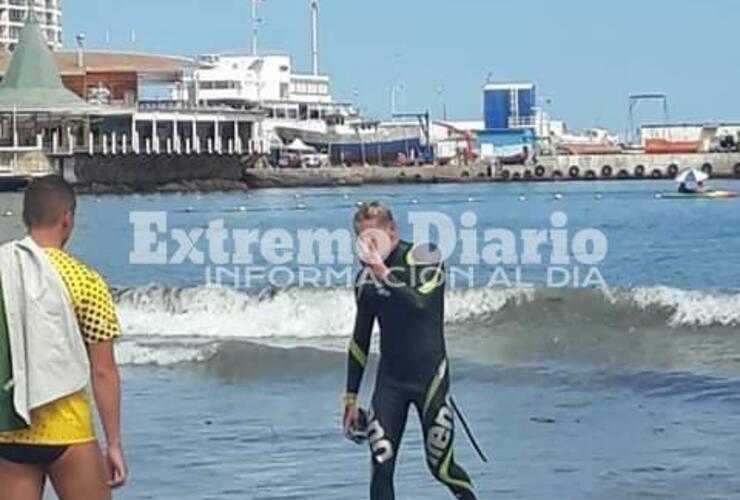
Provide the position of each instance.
(412, 370)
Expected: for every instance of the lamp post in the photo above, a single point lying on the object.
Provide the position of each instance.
(441, 94)
(80, 39)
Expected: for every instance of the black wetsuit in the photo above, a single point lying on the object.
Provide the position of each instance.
(413, 366)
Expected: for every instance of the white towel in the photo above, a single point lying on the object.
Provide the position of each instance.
(48, 352)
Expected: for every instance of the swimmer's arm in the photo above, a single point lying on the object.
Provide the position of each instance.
(358, 350)
(107, 389)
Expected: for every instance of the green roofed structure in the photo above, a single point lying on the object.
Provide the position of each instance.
(32, 83)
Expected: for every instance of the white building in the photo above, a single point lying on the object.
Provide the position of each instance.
(13, 15)
(267, 81)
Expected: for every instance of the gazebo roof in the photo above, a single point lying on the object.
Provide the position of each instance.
(32, 82)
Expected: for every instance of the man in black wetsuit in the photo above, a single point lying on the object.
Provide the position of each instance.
(402, 286)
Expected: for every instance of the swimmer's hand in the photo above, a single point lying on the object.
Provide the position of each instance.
(351, 419)
(117, 468)
(370, 255)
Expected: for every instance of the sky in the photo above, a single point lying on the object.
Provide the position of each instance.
(585, 56)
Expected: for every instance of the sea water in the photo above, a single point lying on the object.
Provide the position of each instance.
(625, 392)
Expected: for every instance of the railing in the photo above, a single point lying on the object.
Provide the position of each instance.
(172, 105)
(522, 122)
(122, 144)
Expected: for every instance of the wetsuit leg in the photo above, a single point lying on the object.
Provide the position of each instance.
(388, 421)
(437, 420)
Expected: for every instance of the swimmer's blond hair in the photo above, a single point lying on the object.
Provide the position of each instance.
(374, 210)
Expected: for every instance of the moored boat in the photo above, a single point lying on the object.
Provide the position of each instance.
(662, 146)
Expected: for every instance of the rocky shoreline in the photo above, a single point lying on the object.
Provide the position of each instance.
(176, 174)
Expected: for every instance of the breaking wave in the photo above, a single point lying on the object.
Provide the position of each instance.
(165, 326)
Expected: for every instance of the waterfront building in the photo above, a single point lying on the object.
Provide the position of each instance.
(47, 116)
(511, 118)
(265, 81)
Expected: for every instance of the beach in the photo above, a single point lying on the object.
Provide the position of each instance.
(574, 391)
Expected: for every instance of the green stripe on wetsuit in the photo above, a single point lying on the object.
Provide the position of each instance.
(444, 474)
(357, 353)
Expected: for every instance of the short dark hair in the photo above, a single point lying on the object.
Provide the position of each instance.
(46, 200)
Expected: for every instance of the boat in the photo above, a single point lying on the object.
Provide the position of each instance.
(662, 146)
(354, 141)
(592, 142)
(713, 194)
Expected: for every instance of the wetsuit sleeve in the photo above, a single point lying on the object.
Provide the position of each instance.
(360, 344)
(426, 271)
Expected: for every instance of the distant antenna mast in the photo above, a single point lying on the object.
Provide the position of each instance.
(315, 36)
(255, 26)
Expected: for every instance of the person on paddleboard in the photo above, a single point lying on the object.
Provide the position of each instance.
(402, 287)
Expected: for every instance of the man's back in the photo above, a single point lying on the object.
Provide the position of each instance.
(69, 420)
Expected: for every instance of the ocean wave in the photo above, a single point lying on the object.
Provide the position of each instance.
(299, 313)
(690, 307)
(165, 326)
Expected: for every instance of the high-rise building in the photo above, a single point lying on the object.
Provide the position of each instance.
(13, 14)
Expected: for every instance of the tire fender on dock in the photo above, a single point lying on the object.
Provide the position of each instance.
(574, 171)
(640, 171)
(607, 171)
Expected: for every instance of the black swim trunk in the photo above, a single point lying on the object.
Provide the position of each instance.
(27, 454)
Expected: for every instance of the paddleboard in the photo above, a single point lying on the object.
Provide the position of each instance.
(704, 195)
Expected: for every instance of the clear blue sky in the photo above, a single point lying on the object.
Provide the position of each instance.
(586, 55)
